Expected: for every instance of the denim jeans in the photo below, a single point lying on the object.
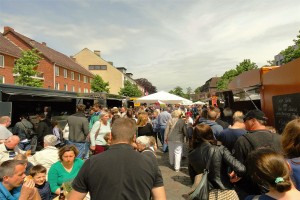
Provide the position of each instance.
(83, 148)
(24, 146)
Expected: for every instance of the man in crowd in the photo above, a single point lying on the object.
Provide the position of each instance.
(20, 129)
(120, 172)
(78, 131)
(95, 116)
(9, 148)
(229, 136)
(4, 124)
(212, 116)
(257, 136)
(123, 111)
(48, 155)
(12, 175)
(162, 121)
(44, 128)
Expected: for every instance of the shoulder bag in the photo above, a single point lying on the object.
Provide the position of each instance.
(202, 191)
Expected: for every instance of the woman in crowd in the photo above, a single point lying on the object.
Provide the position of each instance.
(219, 180)
(98, 131)
(291, 148)
(144, 127)
(270, 171)
(65, 170)
(174, 136)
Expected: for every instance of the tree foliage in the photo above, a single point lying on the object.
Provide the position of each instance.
(291, 52)
(178, 91)
(246, 65)
(147, 85)
(130, 90)
(99, 85)
(26, 67)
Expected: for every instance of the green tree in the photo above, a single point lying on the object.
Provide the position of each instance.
(99, 85)
(147, 85)
(188, 92)
(130, 90)
(246, 65)
(291, 52)
(177, 91)
(26, 67)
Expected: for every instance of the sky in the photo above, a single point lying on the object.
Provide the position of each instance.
(169, 42)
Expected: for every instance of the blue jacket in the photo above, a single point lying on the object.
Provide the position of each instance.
(12, 195)
(216, 128)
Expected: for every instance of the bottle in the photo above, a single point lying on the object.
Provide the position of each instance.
(62, 195)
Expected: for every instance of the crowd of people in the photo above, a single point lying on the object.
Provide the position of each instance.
(111, 153)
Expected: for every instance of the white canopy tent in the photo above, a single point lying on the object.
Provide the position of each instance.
(164, 97)
(199, 103)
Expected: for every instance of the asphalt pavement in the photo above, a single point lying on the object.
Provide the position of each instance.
(176, 183)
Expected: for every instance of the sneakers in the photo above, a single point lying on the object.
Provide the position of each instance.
(176, 170)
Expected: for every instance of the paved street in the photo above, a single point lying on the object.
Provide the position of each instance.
(176, 183)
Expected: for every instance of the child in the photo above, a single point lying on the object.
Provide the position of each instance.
(38, 173)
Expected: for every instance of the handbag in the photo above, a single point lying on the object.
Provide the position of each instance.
(202, 191)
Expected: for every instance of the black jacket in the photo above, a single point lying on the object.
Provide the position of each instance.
(221, 164)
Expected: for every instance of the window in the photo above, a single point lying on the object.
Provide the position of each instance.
(57, 86)
(84, 79)
(73, 88)
(56, 71)
(97, 67)
(2, 79)
(86, 90)
(72, 76)
(65, 87)
(78, 77)
(79, 89)
(1, 61)
(65, 73)
(91, 80)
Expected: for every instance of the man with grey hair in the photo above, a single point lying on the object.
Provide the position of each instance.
(12, 175)
(229, 136)
(5, 122)
(142, 142)
(48, 155)
(9, 148)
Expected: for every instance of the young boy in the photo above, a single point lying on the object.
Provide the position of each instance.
(38, 173)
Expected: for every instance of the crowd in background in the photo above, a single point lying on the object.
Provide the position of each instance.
(249, 160)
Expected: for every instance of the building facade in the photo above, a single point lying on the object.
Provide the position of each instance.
(56, 70)
(93, 62)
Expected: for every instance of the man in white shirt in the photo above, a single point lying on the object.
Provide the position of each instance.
(9, 148)
(48, 155)
(5, 122)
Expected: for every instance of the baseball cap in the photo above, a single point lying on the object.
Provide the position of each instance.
(255, 114)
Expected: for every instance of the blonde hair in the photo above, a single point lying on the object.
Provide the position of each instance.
(176, 114)
(142, 119)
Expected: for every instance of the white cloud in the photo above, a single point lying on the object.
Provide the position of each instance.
(169, 42)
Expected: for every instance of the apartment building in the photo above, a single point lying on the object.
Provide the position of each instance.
(56, 70)
(93, 62)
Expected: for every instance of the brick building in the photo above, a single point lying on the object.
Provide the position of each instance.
(56, 70)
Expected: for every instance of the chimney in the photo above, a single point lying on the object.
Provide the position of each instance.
(73, 58)
(111, 63)
(7, 28)
(97, 52)
(44, 43)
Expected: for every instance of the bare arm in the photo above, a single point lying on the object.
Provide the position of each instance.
(159, 193)
(74, 195)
